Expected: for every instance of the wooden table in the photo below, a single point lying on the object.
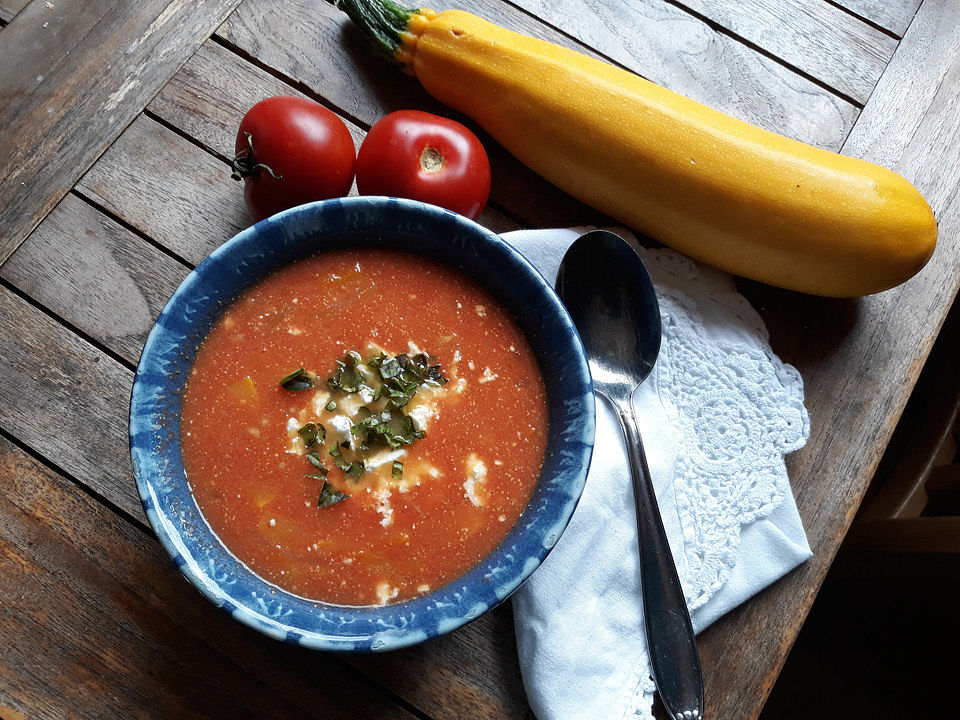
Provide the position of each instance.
(116, 121)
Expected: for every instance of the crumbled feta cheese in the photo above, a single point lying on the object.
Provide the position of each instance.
(294, 330)
(273, 522)
(340, 424)
(385, 593)
(481, 310)
(488, 375)
(382, 458)
(423, 588)
(476, 476)
(296, 443)
(383, 506)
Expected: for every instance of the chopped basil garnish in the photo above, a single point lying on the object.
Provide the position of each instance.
(400, 378)
(393, 427)
(296, 381)
(347, 378)
(312, 433)
(314, 458)
(329, 495)
(352, 470)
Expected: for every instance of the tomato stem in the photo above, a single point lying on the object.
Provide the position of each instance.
(245, 164)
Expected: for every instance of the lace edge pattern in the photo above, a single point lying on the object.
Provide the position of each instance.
(736, 410)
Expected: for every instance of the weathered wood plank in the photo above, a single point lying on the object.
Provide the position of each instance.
(95, 274)
(859, 359)
(169, 189)
(893, 15)
(820, 39)
(66, 400)
(97, 623)
(9, 9)
(672, 48)
(58, 112)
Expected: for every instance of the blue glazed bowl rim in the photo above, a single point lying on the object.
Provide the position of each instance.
(440, 611)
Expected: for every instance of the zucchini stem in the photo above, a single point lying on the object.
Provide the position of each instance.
(382, 22)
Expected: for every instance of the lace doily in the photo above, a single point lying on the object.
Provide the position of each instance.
(735, 411)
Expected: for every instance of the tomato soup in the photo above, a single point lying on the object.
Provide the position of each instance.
(363, 426)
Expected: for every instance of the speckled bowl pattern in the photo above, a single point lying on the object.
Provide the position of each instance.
(278, 241)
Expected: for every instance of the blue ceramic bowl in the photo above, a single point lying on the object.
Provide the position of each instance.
(272, 244)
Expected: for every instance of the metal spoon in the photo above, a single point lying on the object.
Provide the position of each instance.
(608, 293)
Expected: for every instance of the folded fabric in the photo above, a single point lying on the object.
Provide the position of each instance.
(717, 416)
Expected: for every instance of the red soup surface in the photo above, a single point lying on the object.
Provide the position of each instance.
(434, 428)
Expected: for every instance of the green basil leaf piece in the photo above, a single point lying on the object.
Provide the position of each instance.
(329, 495)
(312, 433)
(297, 381)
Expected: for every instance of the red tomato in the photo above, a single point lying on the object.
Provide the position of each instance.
(291, 151)
(417, 155)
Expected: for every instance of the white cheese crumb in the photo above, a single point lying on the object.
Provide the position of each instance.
(481, 310)
(383, 506)
(295, 440)
(498, 462)
(341, 426)
(488, 375)
(423, 588)
(273, 522)
(382, 458)
(471, 365)
(476, 476)
(456, 356)
(385, 593)
(294, 330)
(502, 518)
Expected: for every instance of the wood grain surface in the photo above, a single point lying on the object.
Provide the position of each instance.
(820, 39)
(892, 15)
(57, 116)
(107, 282)
(9, 8)
(859, 359)
(66, 400)
(77, 298)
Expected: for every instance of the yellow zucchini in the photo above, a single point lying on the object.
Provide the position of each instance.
(721, 190)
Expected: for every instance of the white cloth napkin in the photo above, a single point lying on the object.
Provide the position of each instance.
(717, 416)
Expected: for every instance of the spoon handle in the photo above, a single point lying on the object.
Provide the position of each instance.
(673, 649)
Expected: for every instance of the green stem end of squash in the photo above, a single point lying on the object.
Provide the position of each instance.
(382, 22)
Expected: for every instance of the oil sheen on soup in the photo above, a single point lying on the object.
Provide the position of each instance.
(364, 426)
